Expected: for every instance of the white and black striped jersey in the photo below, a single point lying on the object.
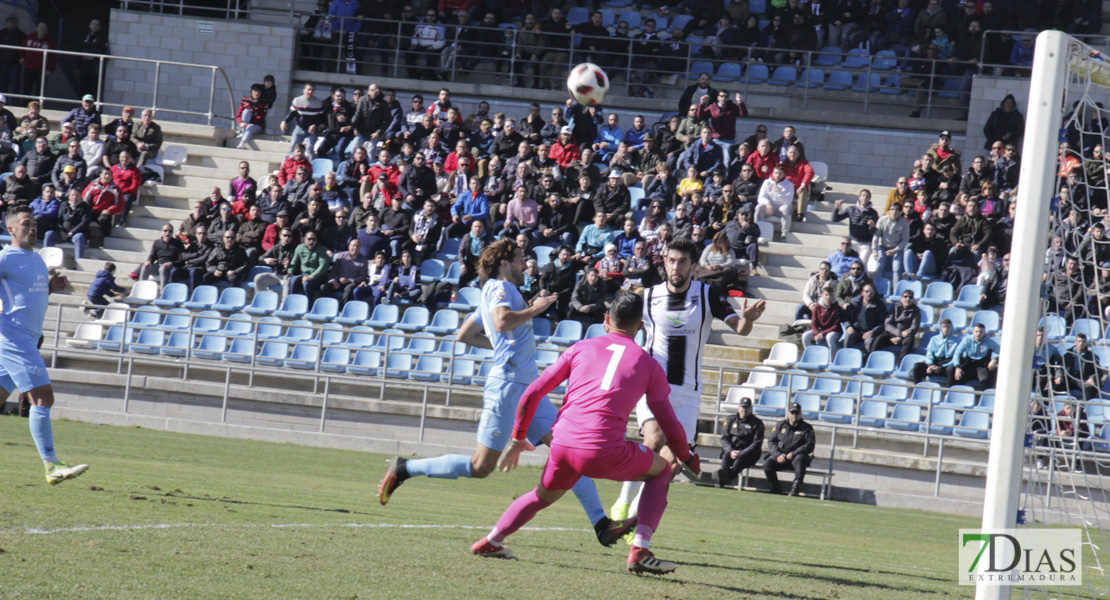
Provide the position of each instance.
(677, 328)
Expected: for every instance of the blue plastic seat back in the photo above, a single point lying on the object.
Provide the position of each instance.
(814, 357)
(906, 417)
(957, 315)
(811, 77)
(384, 315)
(232, 299)
(445, 320)
(325, 308)
(938, 293)
(238, 325)
(354, 311)
(294, 305)
(431, 270)
(265, 301)
(567, 332)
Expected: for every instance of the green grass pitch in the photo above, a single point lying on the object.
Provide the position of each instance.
(164, 515)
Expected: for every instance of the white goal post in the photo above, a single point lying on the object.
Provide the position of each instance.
(1023, 299)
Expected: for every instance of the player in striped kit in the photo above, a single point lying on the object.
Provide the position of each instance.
(678, 317)
(607, 375)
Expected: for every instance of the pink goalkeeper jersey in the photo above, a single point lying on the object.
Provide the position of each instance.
(608, 376)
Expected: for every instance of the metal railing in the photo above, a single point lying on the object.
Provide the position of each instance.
(874, 80)
(212, 9)
(994, 54)
(158, 69)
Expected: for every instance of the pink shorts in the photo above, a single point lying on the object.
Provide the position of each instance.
(627, 461)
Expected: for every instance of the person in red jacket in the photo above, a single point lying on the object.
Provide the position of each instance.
(721, 113)
(251, 116)
(386, 166)
(290, 165)
(800, 173)
(565, 149)
(127, 178)
(34, 61)
(105, 200)
(763, 160)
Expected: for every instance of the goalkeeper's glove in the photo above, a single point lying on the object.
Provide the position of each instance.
(694, 463)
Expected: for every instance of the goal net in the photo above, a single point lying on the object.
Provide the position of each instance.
(1049, 464)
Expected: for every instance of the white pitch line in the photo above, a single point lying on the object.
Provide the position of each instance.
(40, 531)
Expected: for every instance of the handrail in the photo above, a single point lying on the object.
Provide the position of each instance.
(158, 64)
(1092, 39)
(179, 7)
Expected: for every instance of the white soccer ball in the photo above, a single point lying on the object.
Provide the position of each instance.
(588, 84)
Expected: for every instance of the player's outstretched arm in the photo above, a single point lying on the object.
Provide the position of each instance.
(511, 456)
(471, 334)
(749, 314)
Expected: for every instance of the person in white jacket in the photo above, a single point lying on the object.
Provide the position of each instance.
(775, 198)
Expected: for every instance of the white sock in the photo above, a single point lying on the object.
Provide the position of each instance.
(640, 542)
(629, 491)
(494, 538)
(634, 509)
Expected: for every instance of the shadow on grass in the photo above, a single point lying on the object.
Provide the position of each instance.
(180, 495)
(911, 574)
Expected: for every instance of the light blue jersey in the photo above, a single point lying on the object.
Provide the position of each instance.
(514, 352)
(25, 292)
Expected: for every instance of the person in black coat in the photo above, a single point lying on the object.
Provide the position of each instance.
(558, 278)
(741, 443)
(791, 447)
(696, 90)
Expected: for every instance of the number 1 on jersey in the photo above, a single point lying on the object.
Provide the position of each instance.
(611, 370)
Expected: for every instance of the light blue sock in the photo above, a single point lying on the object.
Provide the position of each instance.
(448, 466)
(42, 433)
(586, 492)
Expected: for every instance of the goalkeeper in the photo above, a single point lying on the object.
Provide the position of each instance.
(607, 376)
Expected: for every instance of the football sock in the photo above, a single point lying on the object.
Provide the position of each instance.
(654, 503)
(448, 466)
(586, 492)
(643, 537)
(634, 506)
(629, 491)
(42, 433)
(517, 515)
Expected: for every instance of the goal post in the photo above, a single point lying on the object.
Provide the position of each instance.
(1023, 298)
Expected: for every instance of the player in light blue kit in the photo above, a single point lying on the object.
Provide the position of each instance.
(25, 286)
(503, 323)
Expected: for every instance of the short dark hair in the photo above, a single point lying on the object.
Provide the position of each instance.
(257, 87)
(686, 246)
(627, 310)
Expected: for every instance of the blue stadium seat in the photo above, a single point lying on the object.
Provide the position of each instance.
(824, 385)
(784, 76)
(467, 300)
(829, 56)
(893, 392)
(207, 322)
(324, 309)
(450, 348)
(926, 319)
(882, 286)
(454, 270)
(839, 409)
(210, 347)
(892, 86)
(546, 358)
(460, 371)
(986, 402)
(578, 15)
(303, 356)
(178, 319)
(680, 21)
(366, 362)
(432, 270)
(330, 334)
(354, 313)
(449, 250)
(959, 397)
(811, 77)
(240, 350)
(273, 353)
(872, 413)
(420, 344)
(1055, 327)
(293, 307)
(320, 167)
(385, 315)
(359, 338)
(177, 344)
(636, 194)
(414, 319)
(879, 364)
(974, 425)
(969, 297)
(771, 403)
(905, 368)
(608, 17)
(814, 358)
(204, 296)
(428, 368)
(335, 359)
(872, 82)
(479, 354)
(955, 88)
(757, 7)
(942, 421)
(392, 340)
(848, 360)
(632, 17)
(757, 73)
(926, 393)
(445, 321)
(237, 325)
(232, 299)
(263, 303)
(173, 295)
(566, 333)
(269, 328)
(885, 60)
(541, 328)
(903, 285)
(990, 320)
(792, 381)
(115, 338)
(398, 366)
(1088, 327)
(255, 271)
(858, 387)
(593, 331)
(728, 72)
(905, 417)
(810, 403)
(142, 319)
(298, 331)
(148, 341)
(957, 315)
(938, 294)
(857, 58)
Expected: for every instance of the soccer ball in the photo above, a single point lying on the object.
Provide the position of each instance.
(588, 84)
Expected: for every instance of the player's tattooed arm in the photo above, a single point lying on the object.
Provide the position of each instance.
(472, 334)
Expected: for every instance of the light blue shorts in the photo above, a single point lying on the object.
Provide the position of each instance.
(499, 401)
(21, 365)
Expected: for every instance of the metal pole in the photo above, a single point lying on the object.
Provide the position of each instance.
(397, 54)
(100, 79)
(867, 86)
(127, 387)
(227, 394)
(1003, 485)
(57, 338)
(212, 96)
(940, 462)
(423, 413)
(157, 75)
(42, 77)
(324, 406)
